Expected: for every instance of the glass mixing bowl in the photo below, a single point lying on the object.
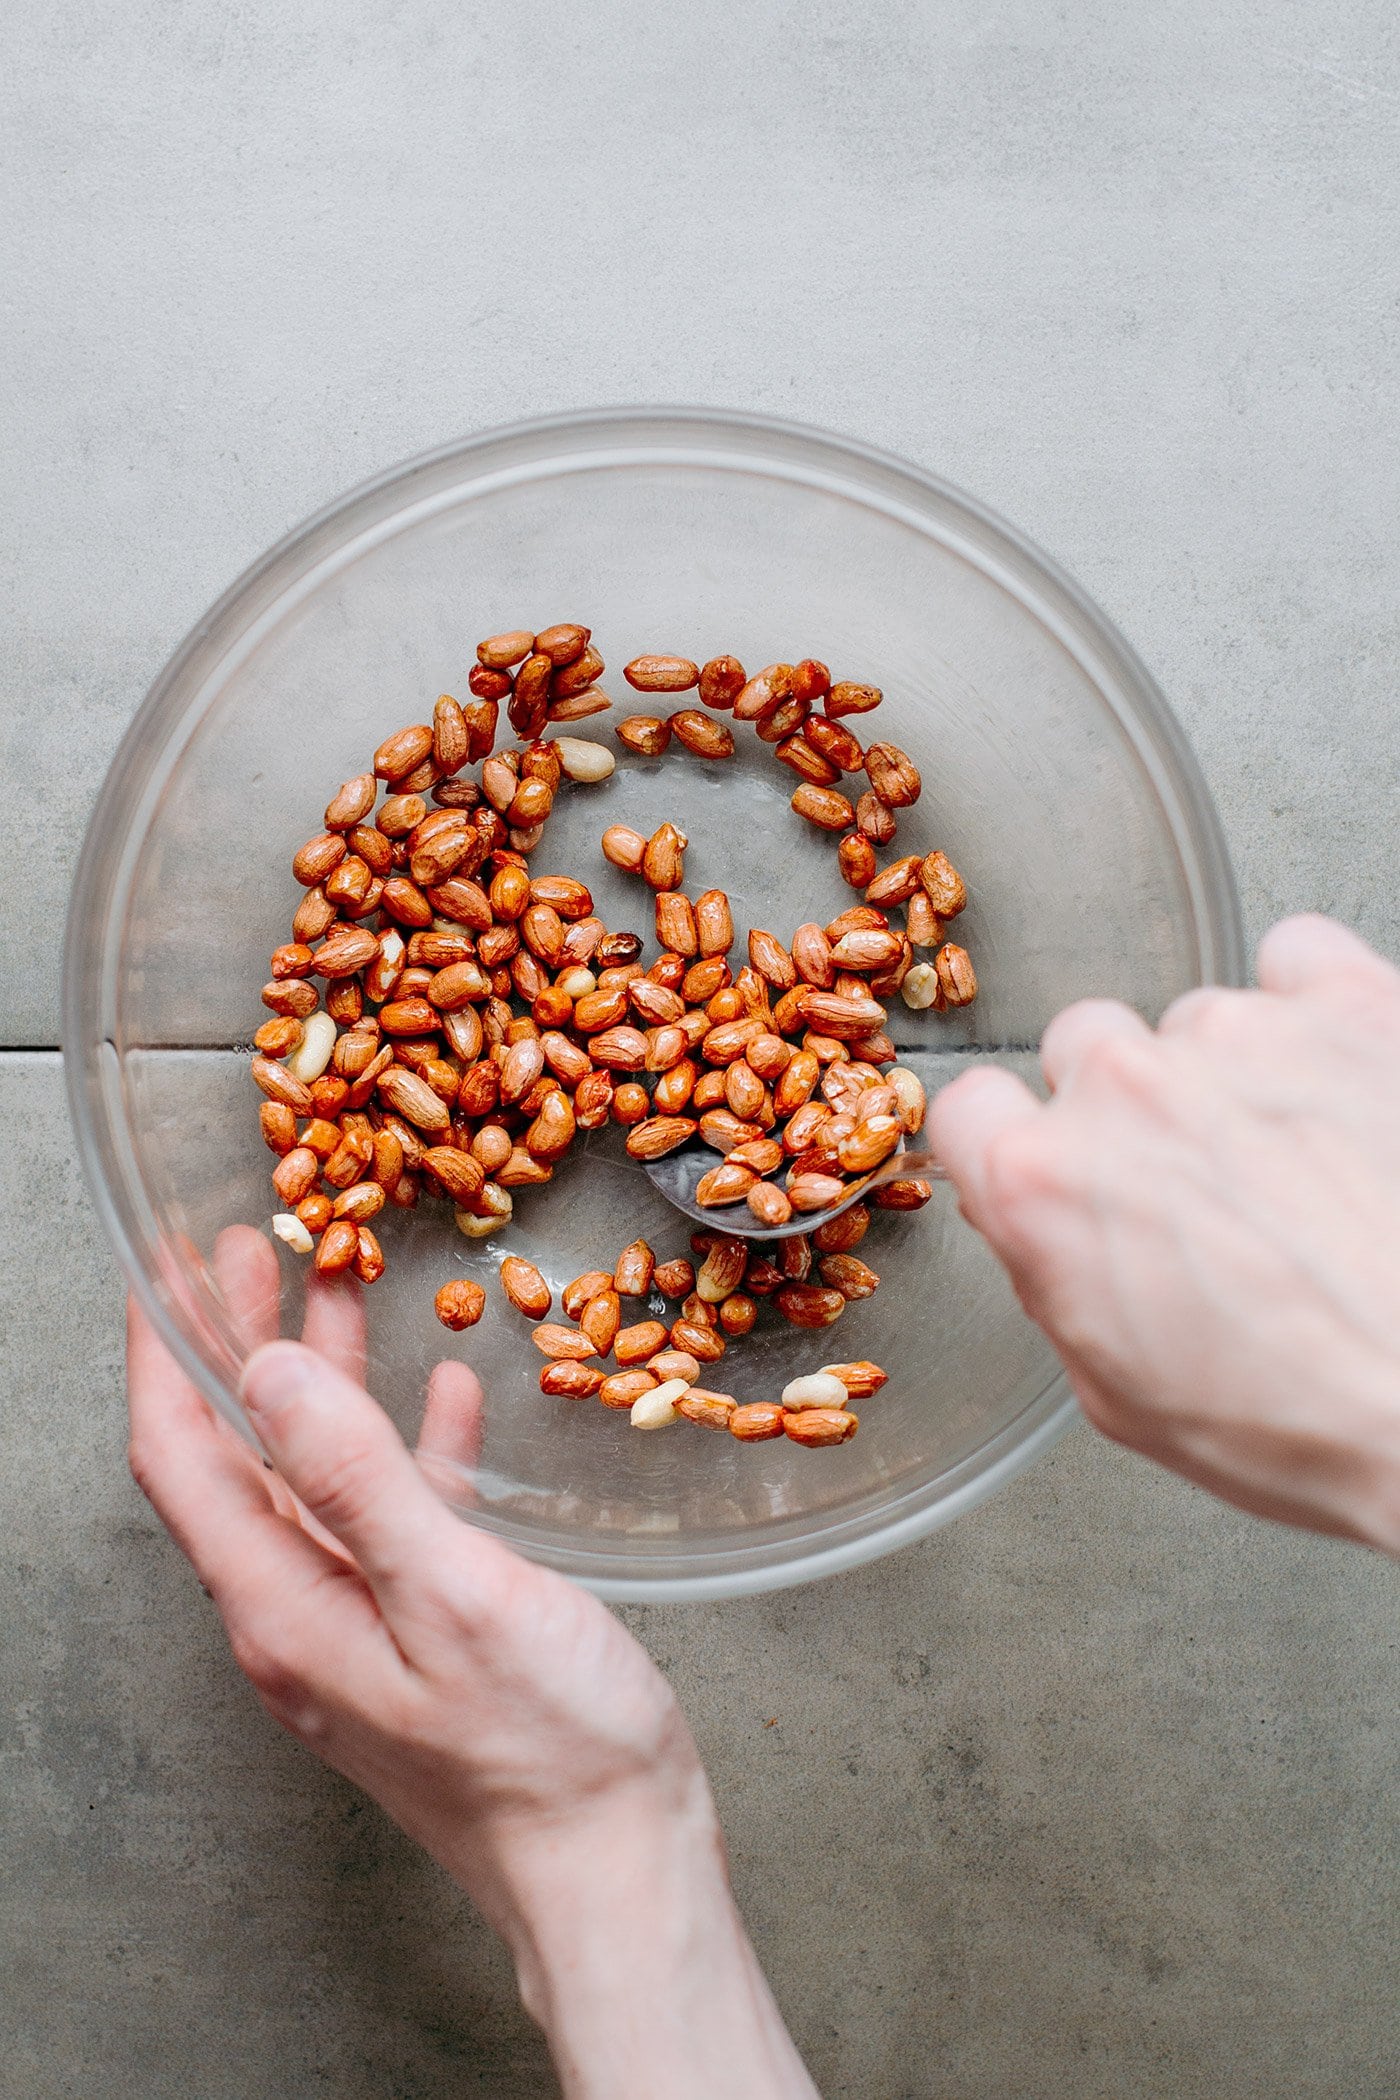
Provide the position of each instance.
(1055, 779)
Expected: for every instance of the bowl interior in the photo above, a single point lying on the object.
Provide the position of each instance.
(1052, 777)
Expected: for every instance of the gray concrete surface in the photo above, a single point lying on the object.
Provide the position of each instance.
(1105, 1776)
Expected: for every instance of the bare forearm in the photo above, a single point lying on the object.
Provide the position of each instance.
(642, 1975)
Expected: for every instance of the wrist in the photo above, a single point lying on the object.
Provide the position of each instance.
(633, 1958)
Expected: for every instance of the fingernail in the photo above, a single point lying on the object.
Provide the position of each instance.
(276, 1376)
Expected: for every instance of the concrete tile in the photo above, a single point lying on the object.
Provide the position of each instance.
(1124, 276)
(1090, 1794)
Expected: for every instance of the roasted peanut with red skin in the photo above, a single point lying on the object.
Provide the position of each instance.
(525, 1287)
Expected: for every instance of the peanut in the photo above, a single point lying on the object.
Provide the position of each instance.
(834, 744)
(771, 960)
(571, 1381)
(723, 1184)
(633, 1345)
(339, 1244)
(850, 699)
(721, 682)
(525, 1287)
(656, 1409)
(723, 1269)
(769, 1204)
(499, 651)
(920, 988)
(600, 1320)
(574, 707)
(810, 1191)
(402, 753)
(738, 1314)
(795, 751)
(839, 1235)
(809, 1304)
(902, 1195)
(663, 861)
(875, 819)
(817, 1426)
(636, 1266)
(756, 1422)
(624, 847)
(584, 762)
(576, 1295)
(291, 1231)
(849, 1275)
(562, 1343)
(296, 1174)
(764, 692)
(893, 775)
(661, 674)
(674, 1363)
(563, 644)
(675, 922)
(697, 1340)
(647, 735)
(856, 859)
(957, 980)
(714, 924)
(860, 1379)
(625, 1387)
(817, 1389)
(710, 1410)
(460, 1303)
(701, 734)
(823, 806)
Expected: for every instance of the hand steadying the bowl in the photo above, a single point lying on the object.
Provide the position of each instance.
(1205, 1219)
(499, 1714)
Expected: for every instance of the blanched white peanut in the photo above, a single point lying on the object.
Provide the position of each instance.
(293, 1232)
(499, 1206)
(920, 986)
(910, 1098)
(313, 1053)
(817, 1389)
(583, 761)
(657, 1409)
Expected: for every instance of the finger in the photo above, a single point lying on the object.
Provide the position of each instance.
(1207, 1007)
(1310, 953)
(208, 1487)
(450, 1437)
(1080, 1029)
(967, 1117)
(334, 1323)
(245, 1265)
(342, 1456)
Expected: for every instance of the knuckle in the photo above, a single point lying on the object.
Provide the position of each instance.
(281, 1683)
(266, 1668)
(339, 1485)
(1210, 1013)
(1124, 1063)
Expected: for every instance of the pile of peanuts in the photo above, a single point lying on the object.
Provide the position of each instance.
(659, 1363)
(470, 1028)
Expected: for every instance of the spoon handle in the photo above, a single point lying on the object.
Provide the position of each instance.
(906, 1166)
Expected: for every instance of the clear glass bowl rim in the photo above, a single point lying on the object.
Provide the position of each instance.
(623, 435)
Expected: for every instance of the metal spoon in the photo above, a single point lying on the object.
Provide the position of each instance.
(677, 1176)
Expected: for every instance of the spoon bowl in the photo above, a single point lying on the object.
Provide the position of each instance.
(676, 1176)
